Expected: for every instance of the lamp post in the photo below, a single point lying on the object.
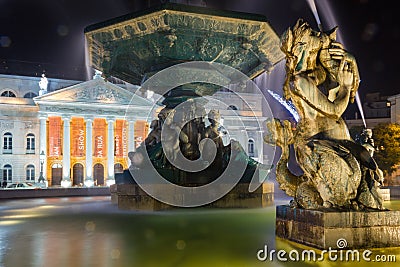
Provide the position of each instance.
(41, 157)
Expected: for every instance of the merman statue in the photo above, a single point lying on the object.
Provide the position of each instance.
(321, 80)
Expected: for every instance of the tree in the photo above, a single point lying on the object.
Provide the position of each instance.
(387, 145)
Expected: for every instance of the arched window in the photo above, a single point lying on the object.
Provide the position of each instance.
(30, 173)
(56, 174)
(30, 143)
(7, 173)
(30, 95)
(7, 143)
(8, 94)
(232, 107)
(250, 147)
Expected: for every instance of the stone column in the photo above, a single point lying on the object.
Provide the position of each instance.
(260, 146)
(110, 149)
(131, 138)
(243, 139)
(131, 135)
(43, 142)
(89, 152)
(66, 151)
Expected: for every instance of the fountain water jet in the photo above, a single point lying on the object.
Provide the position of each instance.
(358, 101)
(287, 104)
(313, 8)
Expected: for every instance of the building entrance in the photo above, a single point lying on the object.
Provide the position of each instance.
(77, 174)
(98, 174)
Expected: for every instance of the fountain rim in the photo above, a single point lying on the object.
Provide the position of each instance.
(178, 8)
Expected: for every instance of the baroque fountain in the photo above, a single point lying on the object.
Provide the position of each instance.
(187, 54)
(335, 197)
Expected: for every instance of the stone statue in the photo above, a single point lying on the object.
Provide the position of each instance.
(154, 136)
(43, 85)
(367, 192)
(170, 144)
(192, 128)
(321, 79)
(367, 141)
(97, 74)
(181, 132)
(212, 132)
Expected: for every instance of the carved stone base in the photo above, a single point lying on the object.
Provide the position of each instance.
(322, 229)
(132, 197)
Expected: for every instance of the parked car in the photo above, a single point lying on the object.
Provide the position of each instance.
(41, 185)
(22, 185)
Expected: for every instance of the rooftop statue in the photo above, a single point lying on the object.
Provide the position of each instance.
(43, 85)
(321, 79)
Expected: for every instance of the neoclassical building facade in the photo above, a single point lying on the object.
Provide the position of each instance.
(19, 128)
(86, 131)
(79, 133)
(71, 136)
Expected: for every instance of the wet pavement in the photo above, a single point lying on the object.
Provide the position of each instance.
(91, 231)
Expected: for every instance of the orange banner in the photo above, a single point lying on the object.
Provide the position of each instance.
(100, 137)
(141, 132)
(78, 137)
(55, 136)
(121, 139)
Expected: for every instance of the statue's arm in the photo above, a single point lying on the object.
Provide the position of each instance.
(149, 138)
(183, 136)
(305, 88)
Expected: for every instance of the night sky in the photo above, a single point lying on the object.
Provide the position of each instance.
(48, 34)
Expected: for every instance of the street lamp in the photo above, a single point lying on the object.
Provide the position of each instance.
(42, 158)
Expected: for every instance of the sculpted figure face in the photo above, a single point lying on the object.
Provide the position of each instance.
(169, 119)
(214, 117)
(301, 47)
(320, 57)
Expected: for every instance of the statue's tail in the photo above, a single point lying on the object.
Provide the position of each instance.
(281, 134)
(357, 150)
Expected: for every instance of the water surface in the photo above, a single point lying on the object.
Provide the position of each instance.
(90, 231)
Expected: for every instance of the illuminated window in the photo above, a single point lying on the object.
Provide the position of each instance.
(30, 95)
(232, 107)
(30, 144)
(7, 143)
(8, 94)
(30, 173)
(250, 147)
(7, 173)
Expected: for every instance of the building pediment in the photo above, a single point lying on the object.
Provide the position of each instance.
(94, 91)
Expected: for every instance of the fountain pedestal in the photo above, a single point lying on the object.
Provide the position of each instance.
(323, 229)
(132, 197)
